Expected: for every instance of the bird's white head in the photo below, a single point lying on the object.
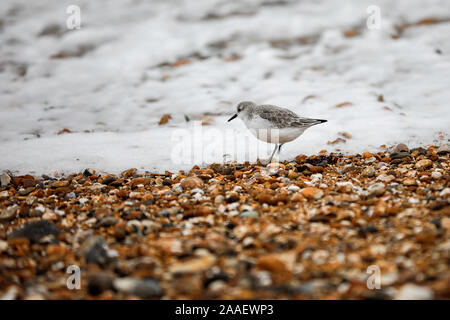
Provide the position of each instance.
(242, 109)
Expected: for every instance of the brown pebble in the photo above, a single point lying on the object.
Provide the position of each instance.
(191, 183)
(401, 147)
(312, 193)
(423, 164)
(366, 155)
(60, 183)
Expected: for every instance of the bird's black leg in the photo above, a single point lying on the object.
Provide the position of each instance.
(273, 153)
(279, 147)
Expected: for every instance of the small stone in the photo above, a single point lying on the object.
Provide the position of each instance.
(382, 165)
(385, 178)
(70, 195)
(3, 246)
(108, 221)
(249, 214)
(35, 231)
(142, 288)
(219, 199)
(129, 173)
(40, 209)
(371, 160)
(163, 213)
(389, 279)
(108, 180)
(266, 197)
(366, 155)
(197, 190)
(203, 211)
(320, 256)
(177, 188)
(49, 215)
(313, 286)
(312, 193)
(377, 189)
(276, 165)
(5, 179)
(445, 148)
(95, 251)
(300, 158)
(436, 175)
(368, 171)
(30, 200)
(164, 119)
(9, 212)
(96, 187)
(344, 186)
(87, 173)
(120, 231)
(409, 182)
(423, 164)
(191, 183)
(221, 169)
(316, 169)
(28, 182)
(445, 223)
(217, 286)
(414, 292)
(4, 195)
(134, 226)
(139, 181)
(445, 193)
(193, 265)
(232, 197)
(159, 182)
(345, 134)
(99, 282)
(369, 229)
(293, 188)
(135, 195)
(59, 184)
(399, 155)
(401, 147)
(277, 265)
(292, 175)
(11, 293)
(24, 192)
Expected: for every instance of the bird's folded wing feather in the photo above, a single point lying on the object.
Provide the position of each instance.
(282, 118)
(305, 122)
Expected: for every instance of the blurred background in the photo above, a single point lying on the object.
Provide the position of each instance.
(107, 89)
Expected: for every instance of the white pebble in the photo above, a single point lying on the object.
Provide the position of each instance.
(436, 175)
(413, 292)
(445, 192)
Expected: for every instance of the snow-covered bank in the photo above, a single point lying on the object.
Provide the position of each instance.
(131, 62)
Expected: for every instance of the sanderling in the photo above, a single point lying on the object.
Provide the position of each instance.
(273, 124)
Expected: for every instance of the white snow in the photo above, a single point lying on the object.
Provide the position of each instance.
(112, 96)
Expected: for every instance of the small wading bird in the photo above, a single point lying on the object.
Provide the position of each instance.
(273, 124)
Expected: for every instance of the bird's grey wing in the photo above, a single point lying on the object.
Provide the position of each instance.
(279, 117)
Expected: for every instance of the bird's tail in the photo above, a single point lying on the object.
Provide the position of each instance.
(307, 122)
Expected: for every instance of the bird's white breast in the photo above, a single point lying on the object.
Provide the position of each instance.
(265, 131)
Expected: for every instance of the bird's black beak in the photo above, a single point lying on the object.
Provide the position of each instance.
(232, 117)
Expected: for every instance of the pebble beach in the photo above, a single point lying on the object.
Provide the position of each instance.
(313, 228)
